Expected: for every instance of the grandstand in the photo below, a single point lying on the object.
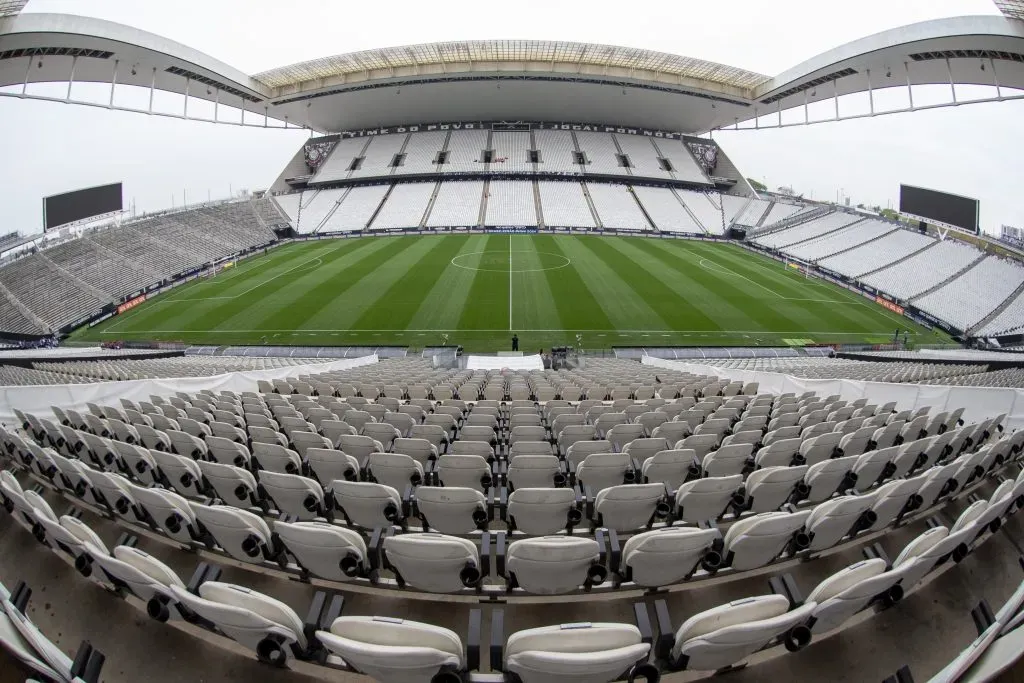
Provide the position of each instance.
(725, 458)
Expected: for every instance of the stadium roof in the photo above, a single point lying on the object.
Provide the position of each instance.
(510, 80)
(10, 7)
(519, 53)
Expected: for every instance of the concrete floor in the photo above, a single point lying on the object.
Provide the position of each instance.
(925, 631)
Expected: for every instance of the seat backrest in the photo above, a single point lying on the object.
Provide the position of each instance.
(603, 651)
(551, 565)
(706, 499)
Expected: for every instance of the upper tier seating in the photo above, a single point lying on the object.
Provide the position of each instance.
(805, 231)
(840, 240)
(511, 152)
(556, 149)
(966, 300)
(780, 211)
(379, 156)
(644, 157)
(921, 272)
(601, 154)
(877, 254)
(465, 152)
(421, 153)
(338, 164)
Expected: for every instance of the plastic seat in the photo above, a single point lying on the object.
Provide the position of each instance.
(834, 519)
(579, 451)
(769, 488)
(328, 465)
(144, 575)
(671, 468)
(757, 540)
(575, 653)
(171, 513)
(387, 649)
(243, 535)
(234, 485)
(228, 452)
(824, 479)
(543, 511)
(552, 565)
(395, 470)
(671, 555)
(781, 453)
(706, 499)
(181, 472)
(367, 504)
(600, 470)
(725, 635)
(643, 449)
(277, 458)
(535, 471)
(291, 494)
(729, 460)
(470, 471)
(451, 509)
(434, 562)
(265, 625)
(324, 550)
(630, 506)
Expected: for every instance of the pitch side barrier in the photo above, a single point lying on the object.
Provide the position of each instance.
(515, 230)
(38, 399)
(881, 298)
(979, 403)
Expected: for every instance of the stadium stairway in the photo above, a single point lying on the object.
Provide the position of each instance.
(24, 310)
(332, 211)
(81, 284)
(482, 216)
(998, 310)
(889, 265)
(696, 220)
(767, 210)
(536, 195)
(383, 200)
(430, 204)
(943, 283)
(590, 201)
(643, 209)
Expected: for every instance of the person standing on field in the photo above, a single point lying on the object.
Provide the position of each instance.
(515, 342)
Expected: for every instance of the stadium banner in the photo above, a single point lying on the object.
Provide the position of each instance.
(979, 403)
(888, 304)
(131, 303)
(505, 125)
(38, 399)
(512, 230)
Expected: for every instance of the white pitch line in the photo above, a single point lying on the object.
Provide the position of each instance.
(715, 333)
(510, 283)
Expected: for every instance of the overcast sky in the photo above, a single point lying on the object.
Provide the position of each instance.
(974, 151)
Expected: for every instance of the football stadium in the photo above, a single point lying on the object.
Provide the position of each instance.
(510, 373)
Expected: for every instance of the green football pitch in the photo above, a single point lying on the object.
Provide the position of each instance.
(480, 289)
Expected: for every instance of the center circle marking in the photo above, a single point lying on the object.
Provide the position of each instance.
(455, 261)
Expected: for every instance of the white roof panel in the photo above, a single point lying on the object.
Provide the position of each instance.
(466, 52)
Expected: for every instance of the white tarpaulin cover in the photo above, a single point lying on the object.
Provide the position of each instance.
(38, 399)
(978, 402)
(505, 363)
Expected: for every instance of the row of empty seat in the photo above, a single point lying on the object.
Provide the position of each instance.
(468, 203)
(480, 151)
(76, 279)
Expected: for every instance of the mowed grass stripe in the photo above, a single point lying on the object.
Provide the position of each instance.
(441, 307)
(337, 301)
(487, 303)
(624, 307)
(853, 307)
(706, 303)
(652, 283)
(573, 301)
(770, 312)
(533, 303)
(806, 307)
(398, 304)
(280, 303)
(185, 306)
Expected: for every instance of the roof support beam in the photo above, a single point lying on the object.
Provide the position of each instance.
(28, 70)
(871, 95)
(71, 78)
(952, 83)
(113, 84)
(152, 89)
(910, 86)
